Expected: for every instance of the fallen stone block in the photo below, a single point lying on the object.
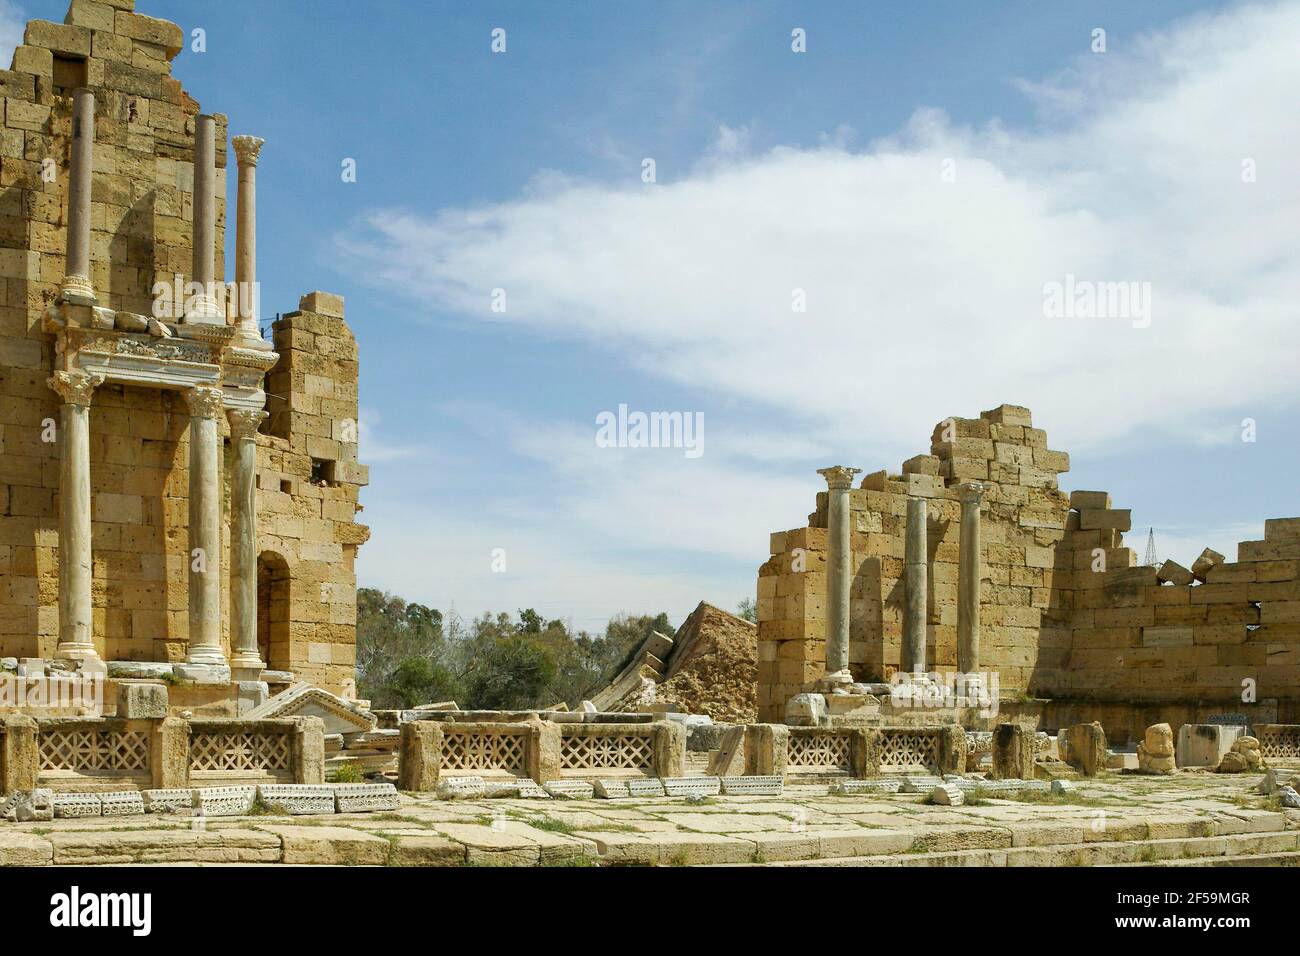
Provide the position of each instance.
(767, 786)
(1086, 748)
(223, 801)
(461, 788)
(1289, 797)
(691, 786)
(167, 801)
(569, 789)
(32, 805)
(1155, 753)
(846, 788)
(67, 805)
(369, 797)
(1208, 559)
(122, 803)
(519, 788)
(919, 783)
(1171, 572)
(297, 798)
(1064, 786)
(1203, 745)
(612, 789)
(947, 795)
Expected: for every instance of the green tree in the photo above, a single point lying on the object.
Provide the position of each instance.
(747, 609)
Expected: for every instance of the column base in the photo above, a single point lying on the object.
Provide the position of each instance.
(833, 679)
(246, 669)
(203, 311)
(78, 290)
(76, 651)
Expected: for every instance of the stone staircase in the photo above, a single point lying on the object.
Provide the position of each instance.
(1275, 846)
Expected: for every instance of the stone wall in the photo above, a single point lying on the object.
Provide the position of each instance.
(1065, 610)
(141, 225)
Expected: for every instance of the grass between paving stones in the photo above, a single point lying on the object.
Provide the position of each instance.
(261, 808)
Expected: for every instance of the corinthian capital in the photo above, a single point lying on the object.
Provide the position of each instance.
(203, 402)
(972, 492)
(247, 149)
(75, 388)
(244, 421)
(839, 476)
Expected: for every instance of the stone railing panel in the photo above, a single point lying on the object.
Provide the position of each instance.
(1279, 741)
(93, 753)
(232, 752)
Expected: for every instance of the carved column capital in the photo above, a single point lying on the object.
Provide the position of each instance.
(75, 388)
(244, 421)
(971, 493)
(247, 149)
(839, 476)
(203, 402)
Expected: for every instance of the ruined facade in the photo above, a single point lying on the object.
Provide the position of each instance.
(141, 383)
(1066, 614)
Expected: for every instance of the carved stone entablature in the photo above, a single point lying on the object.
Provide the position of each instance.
(75, 388)
(244, 422)
(262, 359)
(130, 349)
(204, 402)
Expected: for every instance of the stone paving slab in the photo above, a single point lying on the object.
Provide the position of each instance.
(1112, 820)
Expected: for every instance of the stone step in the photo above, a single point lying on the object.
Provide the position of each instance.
(1285, 858)
(1171, 851)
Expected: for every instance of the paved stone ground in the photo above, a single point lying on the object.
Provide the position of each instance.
(1191, 819)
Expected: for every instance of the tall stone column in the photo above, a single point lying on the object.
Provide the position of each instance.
(77, 285)
(203, 305)
(76, 637)
(243, 542)
(968, 580)
(916, 581)
(839, 573)
(205, 527)
(247, 150)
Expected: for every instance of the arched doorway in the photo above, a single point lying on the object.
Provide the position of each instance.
(273, 610)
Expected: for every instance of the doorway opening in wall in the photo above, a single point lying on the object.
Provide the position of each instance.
(273, 610)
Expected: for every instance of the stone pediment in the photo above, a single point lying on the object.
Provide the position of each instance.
(304, 700)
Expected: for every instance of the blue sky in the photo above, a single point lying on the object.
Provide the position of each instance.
(775, 171)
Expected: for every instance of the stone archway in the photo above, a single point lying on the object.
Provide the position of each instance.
(273, 610)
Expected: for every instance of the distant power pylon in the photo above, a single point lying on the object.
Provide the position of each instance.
(1151, 559)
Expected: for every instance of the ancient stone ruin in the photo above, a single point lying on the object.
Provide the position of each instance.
(955, 647)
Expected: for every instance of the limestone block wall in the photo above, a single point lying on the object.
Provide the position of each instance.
(308, 484)
(141, 224)
(1230, 639)
(1024, 587)
(1066, 613)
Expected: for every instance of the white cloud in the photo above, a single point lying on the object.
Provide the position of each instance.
(925, 297)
